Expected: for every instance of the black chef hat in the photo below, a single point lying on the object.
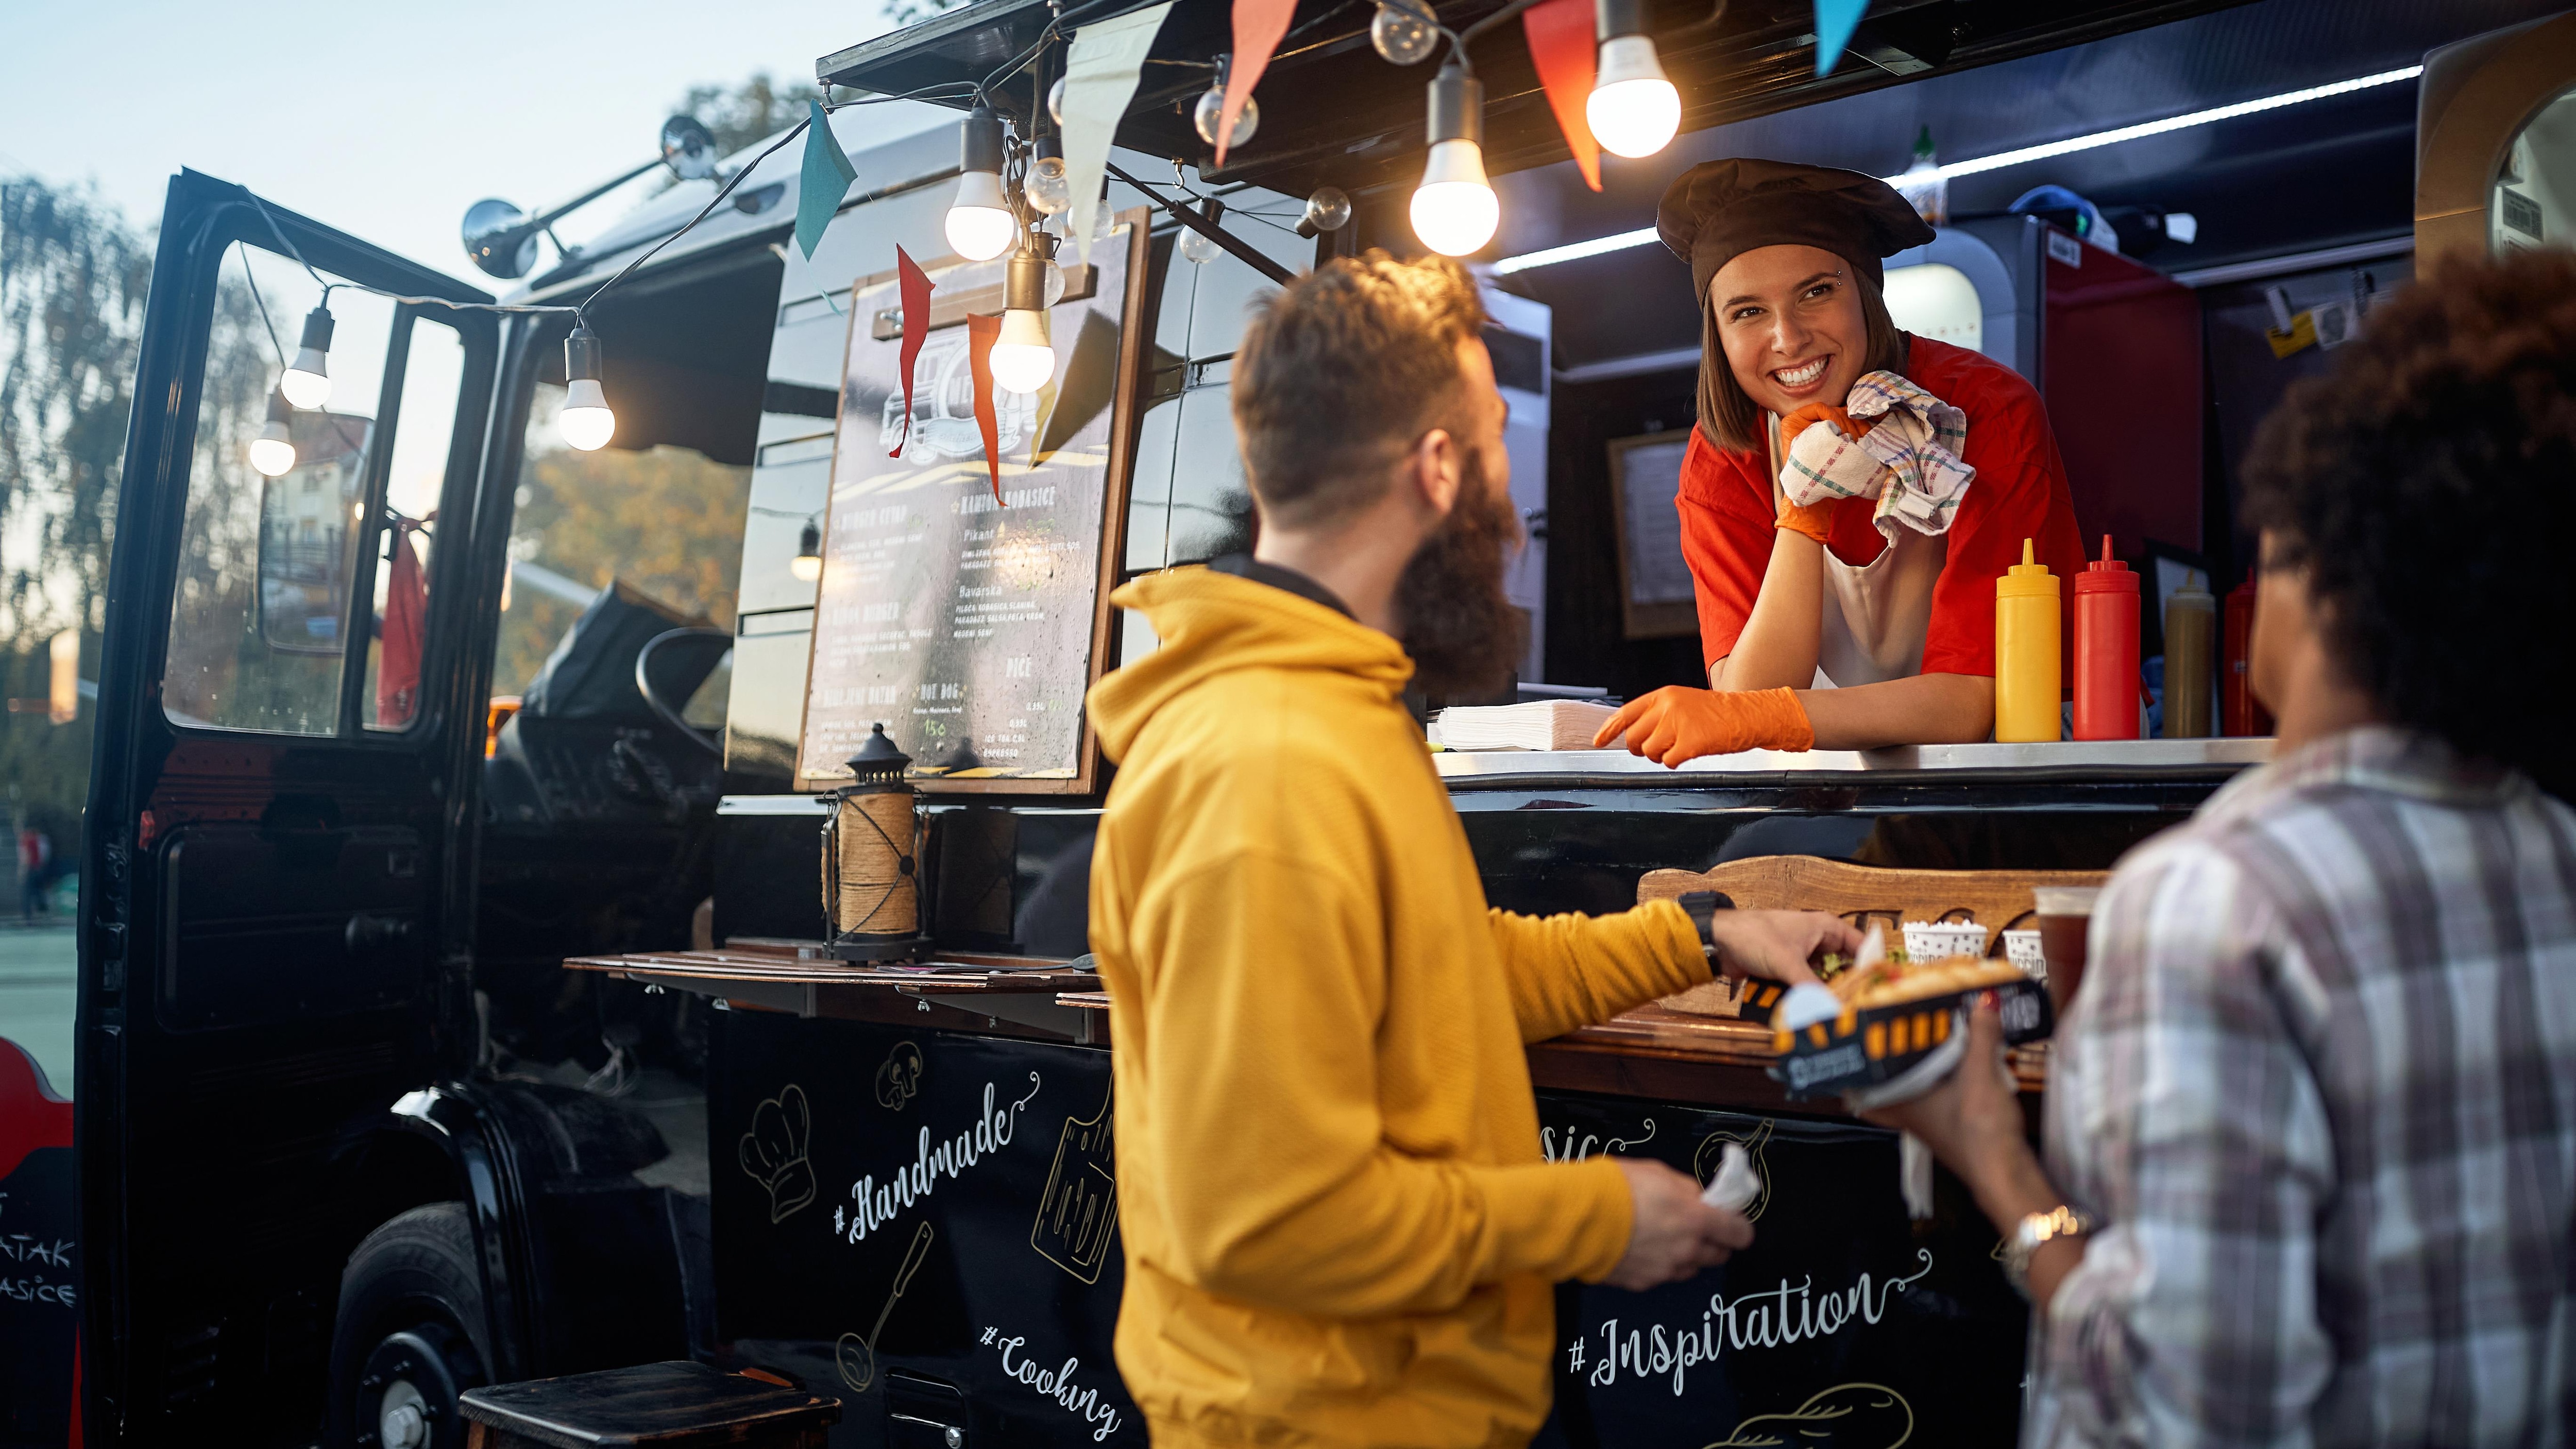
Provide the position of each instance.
(1719, 210)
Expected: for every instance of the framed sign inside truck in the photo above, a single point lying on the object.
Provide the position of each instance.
(964, 598)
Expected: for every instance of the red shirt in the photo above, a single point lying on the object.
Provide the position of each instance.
(2020, 492)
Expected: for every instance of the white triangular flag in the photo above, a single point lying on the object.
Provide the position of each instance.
(1099, 79)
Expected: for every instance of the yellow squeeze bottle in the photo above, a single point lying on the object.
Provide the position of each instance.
(2026, 652)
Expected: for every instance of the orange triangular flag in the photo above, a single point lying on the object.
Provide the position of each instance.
(981, 334)
(1561, 46)
(915, 286)
(1258, 24)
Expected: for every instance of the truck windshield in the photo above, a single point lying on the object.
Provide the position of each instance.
(665, 521)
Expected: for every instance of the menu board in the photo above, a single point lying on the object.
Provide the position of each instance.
(967, 617)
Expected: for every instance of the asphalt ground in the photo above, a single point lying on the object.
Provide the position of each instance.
(37, 971)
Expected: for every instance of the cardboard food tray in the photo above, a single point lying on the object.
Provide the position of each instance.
(1868, 1047)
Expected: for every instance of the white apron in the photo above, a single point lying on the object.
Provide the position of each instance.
(1875, 614)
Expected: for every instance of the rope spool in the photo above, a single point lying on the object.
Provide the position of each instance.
(871, 879)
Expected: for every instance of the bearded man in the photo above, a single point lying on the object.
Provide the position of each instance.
(1339, 1227)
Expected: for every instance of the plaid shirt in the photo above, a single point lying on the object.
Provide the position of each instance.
(2319, 1093)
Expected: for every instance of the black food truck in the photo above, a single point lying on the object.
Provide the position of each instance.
(486, 970)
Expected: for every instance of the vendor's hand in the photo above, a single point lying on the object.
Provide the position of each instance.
(1671, 1233)
(1678, 723)
(1972, 1121)
(1812, 520)
(1812, 414)
(1776, 945)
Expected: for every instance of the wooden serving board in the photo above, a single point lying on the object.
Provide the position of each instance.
(1862, 894)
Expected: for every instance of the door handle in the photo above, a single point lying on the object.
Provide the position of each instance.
(366, 931)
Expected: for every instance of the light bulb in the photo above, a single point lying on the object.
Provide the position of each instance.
(1402, 34)
(1211, 110)
(1633, 109)
(1329, 209)
(1049, 195)
(273, 451)
(1055, 100)
(1454, 209)
(980, 224)
(307, 380)
(585, 422)
(980, 227)
(1197, 247)
(807, 566)
(1023, 359)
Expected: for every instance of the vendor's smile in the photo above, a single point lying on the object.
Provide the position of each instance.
(1802, 377)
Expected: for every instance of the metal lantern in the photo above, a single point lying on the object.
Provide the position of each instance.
(872, 858)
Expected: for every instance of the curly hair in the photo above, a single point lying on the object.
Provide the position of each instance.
(2427, 484)
(1341, 371)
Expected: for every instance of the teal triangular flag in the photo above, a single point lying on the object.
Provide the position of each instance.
(1835, 20)
(825, 180)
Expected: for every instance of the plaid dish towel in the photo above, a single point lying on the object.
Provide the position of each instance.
(1909, 461)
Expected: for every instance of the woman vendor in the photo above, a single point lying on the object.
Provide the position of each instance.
(1851, 492)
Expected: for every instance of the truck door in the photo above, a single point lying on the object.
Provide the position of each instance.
(276, 884)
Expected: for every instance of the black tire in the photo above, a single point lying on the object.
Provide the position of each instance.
(411, 1308)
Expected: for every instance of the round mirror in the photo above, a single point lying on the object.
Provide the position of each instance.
(499, 238)
(688, 148)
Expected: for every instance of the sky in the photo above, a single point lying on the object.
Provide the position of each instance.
(384, 119)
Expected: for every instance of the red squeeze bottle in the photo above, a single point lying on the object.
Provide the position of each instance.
(2239, 712)
(2106, 649)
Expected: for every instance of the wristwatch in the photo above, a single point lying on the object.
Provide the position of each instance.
(1702, 908)
(2034, 1231)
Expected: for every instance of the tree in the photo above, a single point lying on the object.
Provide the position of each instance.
(913, 12)
(753, 111)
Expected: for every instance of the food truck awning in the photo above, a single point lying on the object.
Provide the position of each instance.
(1357, 121)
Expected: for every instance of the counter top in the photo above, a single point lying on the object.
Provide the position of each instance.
(2090, 759)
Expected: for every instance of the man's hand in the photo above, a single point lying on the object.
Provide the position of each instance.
(1775, 945)
(1972, 1121)
(1672, 1234)
(1677, 723)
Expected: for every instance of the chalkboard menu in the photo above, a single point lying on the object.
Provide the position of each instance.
(969, 616)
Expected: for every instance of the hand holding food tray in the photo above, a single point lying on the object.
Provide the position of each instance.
(1893, 1028)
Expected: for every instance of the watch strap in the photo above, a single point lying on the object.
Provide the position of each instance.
(1702, 908)
(2036, 1231)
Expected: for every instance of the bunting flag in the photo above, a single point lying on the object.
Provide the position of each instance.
(1835, 21)
(915, 286)
(1562, 46)
(823, 181)
(981, 333)
(1100, 75)
(1258, 24)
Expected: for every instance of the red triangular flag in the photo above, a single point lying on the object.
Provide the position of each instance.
(1258, 24)
(1561, 46)
(915, 286)
(981, 334)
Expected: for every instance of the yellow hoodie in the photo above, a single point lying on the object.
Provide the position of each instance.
(1339, 1229)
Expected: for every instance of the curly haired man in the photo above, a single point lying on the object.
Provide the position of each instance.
(2311, 1129)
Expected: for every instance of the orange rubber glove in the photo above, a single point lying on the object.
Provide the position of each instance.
(1815, 520)
(1678, 723)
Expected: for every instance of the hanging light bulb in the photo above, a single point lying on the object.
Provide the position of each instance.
(273, 451)
(1454, 209)
(1048, 193)
(307, 380)
(585, 421)
(1329, 209)
(1055, 100)
(807, 566)
(1633, 109)
(1023, 357)
(1402, 34)
(1210, 111)
(980, 225)
(1198, 248)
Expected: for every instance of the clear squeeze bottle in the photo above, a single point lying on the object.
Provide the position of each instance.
(2191, 630)
(2106, 649)
(2026, 651)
